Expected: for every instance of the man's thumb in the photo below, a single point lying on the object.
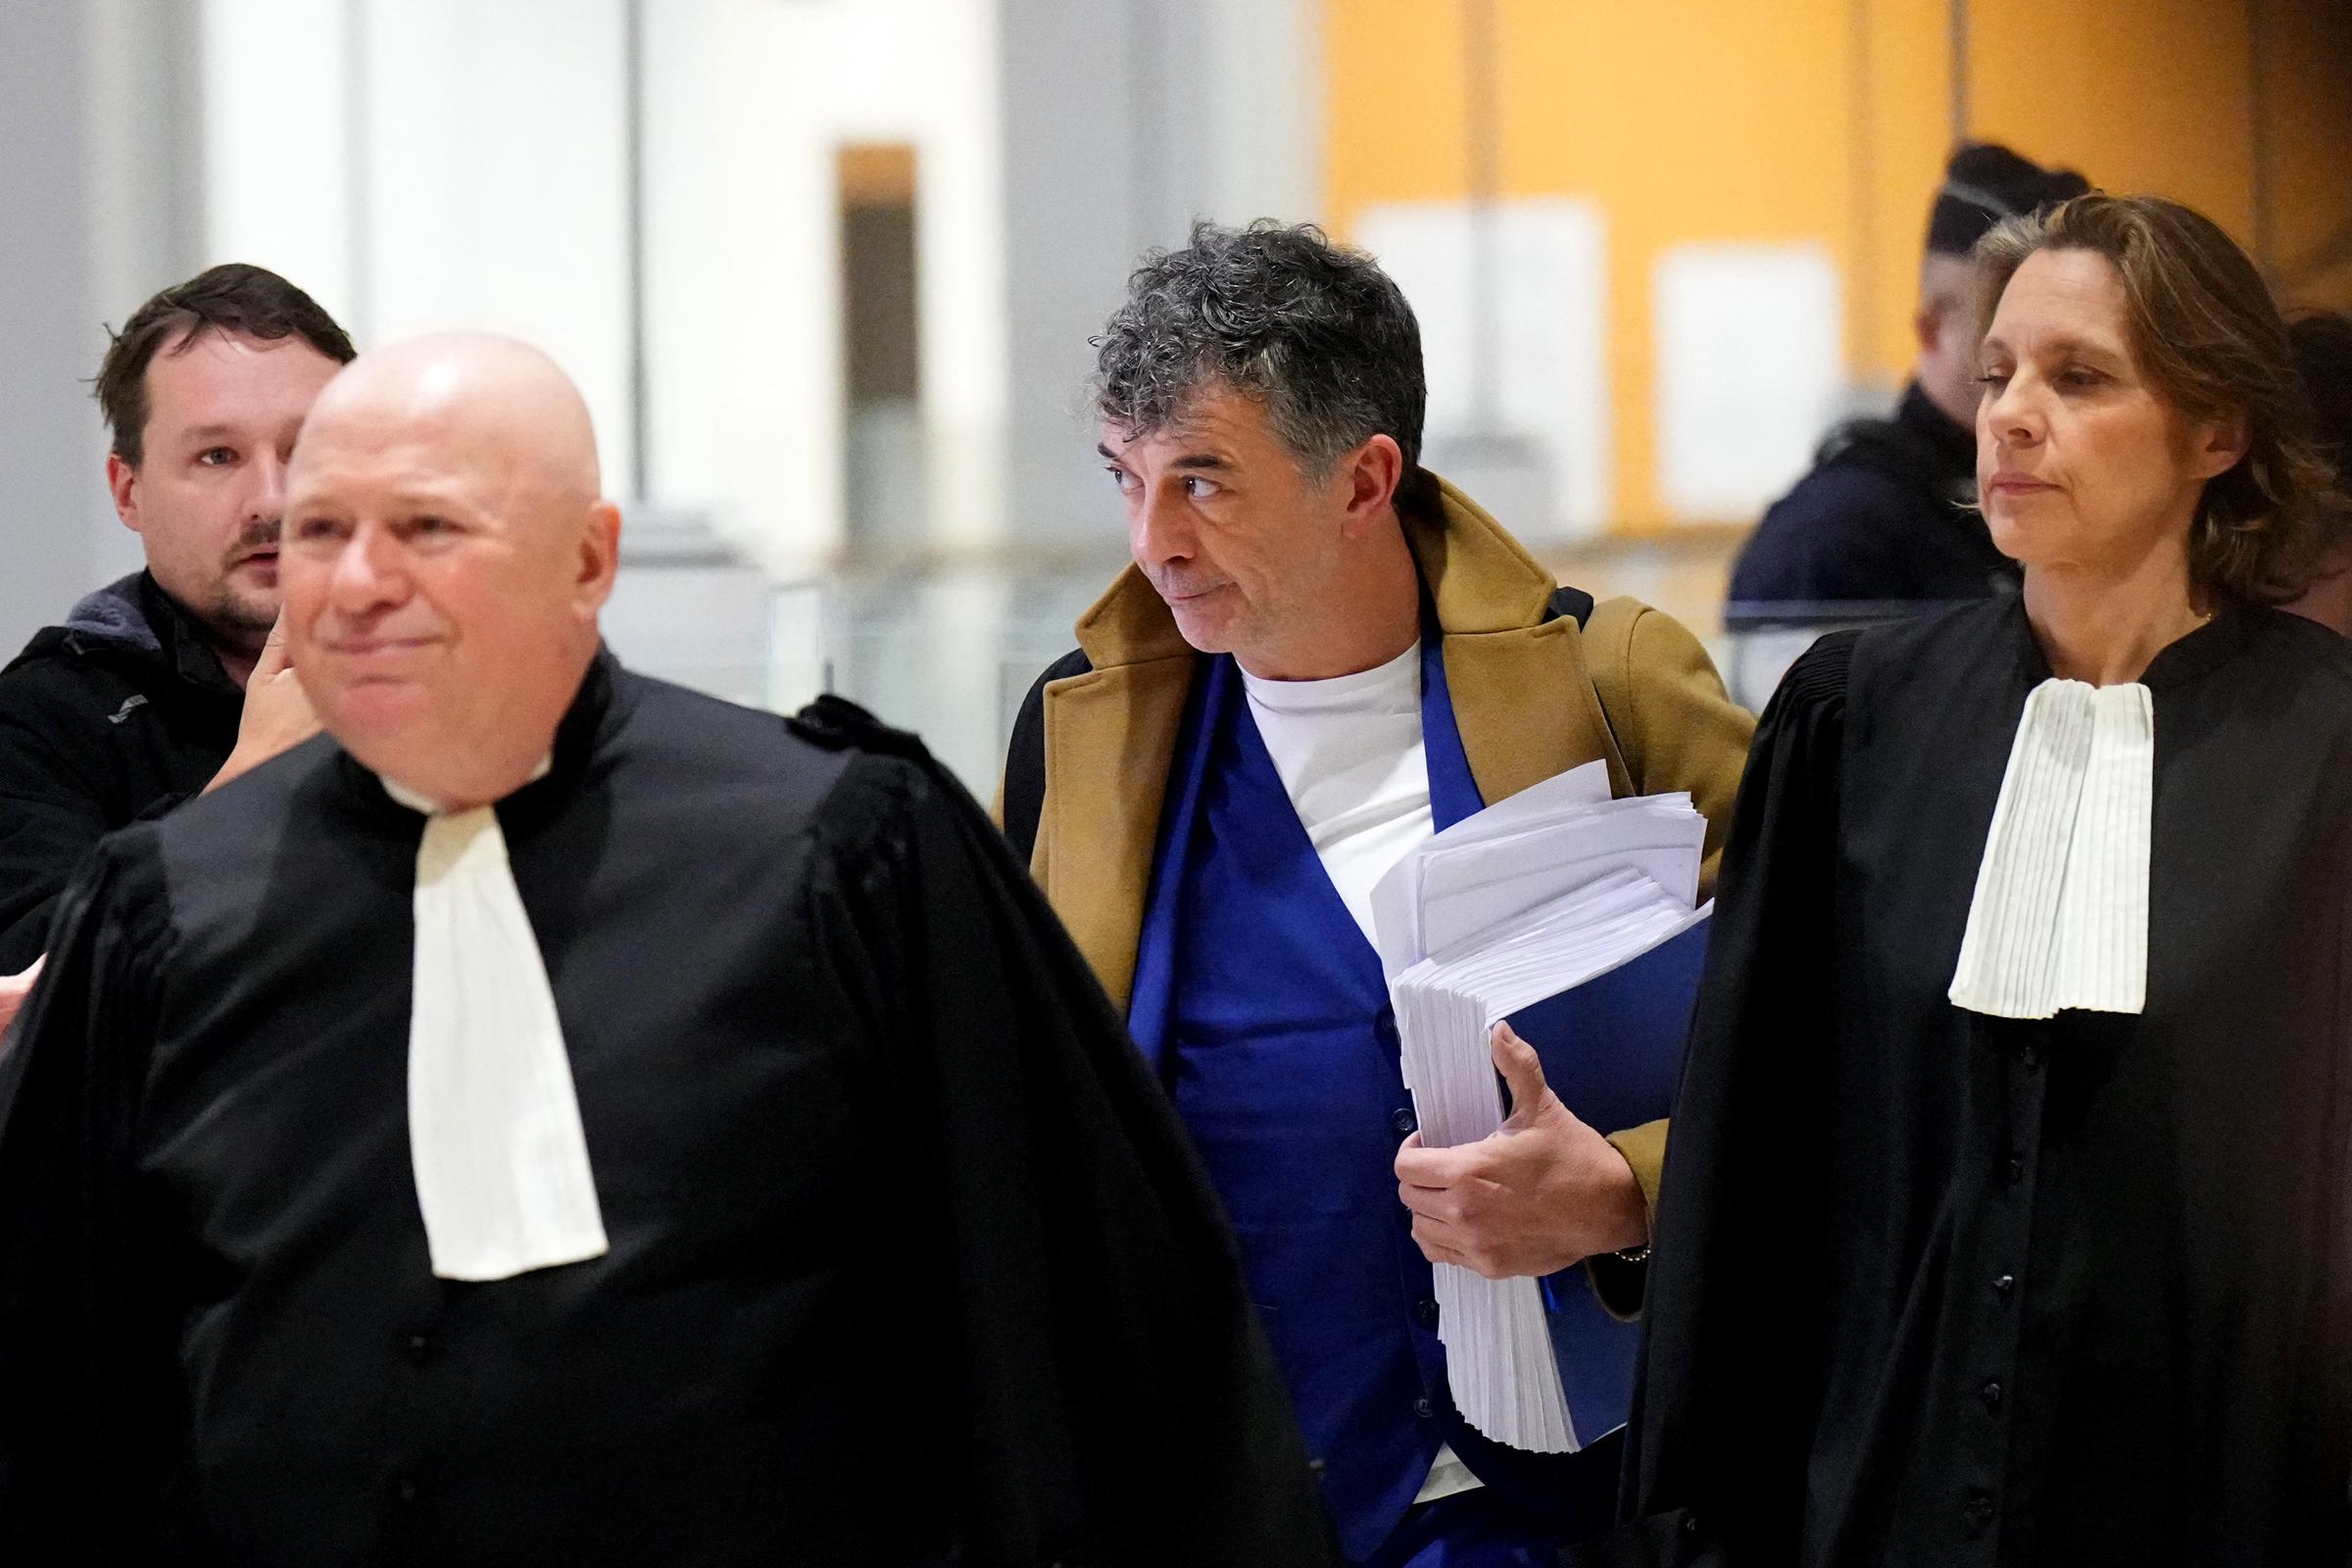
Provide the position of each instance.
(1522, 1071)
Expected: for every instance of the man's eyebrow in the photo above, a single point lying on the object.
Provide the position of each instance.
(211, 433)
(1208, 461)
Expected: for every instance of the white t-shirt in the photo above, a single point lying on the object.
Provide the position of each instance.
(1353, 761)
(1349, 752)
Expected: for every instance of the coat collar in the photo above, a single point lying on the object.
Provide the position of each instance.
(1523, 700)
(1480, 578)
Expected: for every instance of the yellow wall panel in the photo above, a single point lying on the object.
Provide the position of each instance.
(1685, 121)
(1395, 103)
(1903, 136)
(1828, 121)
(2306, 71)
(2141, 95)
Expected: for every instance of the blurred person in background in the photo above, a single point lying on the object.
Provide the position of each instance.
(164, 684)
(1322, 654)
(1889, 511)
(2006, 1220)
(2323, 345)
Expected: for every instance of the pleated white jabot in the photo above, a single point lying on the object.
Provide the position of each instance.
(2060, 918)
(494, 1122)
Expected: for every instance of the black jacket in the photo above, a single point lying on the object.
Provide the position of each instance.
(120, 713)
(1888, 512)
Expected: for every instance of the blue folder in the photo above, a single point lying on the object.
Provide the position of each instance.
(1613, 1051)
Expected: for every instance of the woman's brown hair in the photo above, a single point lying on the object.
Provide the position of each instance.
(2205, 331)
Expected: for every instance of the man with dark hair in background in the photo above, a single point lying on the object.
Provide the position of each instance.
(1889, 511)
(164, 684)
(1321, 655)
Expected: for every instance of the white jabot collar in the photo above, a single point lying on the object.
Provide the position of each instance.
(500, 1157)
(2060, 918)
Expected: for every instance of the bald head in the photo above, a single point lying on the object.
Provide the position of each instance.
(486, 400)
(446, 555)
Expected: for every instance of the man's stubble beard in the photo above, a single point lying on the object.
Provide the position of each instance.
(237, 618)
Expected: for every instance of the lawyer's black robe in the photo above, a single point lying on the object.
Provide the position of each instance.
(1937, 1288)
(911, 1263)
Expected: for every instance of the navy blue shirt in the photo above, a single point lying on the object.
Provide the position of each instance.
(1888, 511)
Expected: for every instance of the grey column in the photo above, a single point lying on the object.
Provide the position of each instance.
(98, 208)
(1125, 120)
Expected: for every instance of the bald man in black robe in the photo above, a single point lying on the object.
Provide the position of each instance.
(835, 1222)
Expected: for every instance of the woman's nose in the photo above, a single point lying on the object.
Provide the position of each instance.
(2011, 417)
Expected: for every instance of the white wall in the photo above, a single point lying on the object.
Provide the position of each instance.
(429, 163)
(421, 164)
(1125, 120)
(1751, 372)
(424, 164)
(276, 165)
(749, 103)
(1260, 106)
(1524, 371)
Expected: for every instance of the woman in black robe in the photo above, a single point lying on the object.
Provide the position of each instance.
(2005, 1219)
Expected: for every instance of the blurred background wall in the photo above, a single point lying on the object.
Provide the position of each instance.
(1756, 182)
(826, 269)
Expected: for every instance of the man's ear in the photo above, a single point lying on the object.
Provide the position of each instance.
(1927, 326)
(1368, 478)
(122, 483)
(600, 557)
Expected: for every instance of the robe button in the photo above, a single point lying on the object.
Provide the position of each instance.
(406, 1489)
(420, 1347)
(2030, 1055)
(2017, 1169)
(2003, 1284)
(1425, 1312)
(1978, 1510)
(1990, 1394)
(1402, 1119)
(1423, 1409)
(1384, 1026)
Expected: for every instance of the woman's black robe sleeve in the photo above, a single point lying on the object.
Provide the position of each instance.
(1718, 1437)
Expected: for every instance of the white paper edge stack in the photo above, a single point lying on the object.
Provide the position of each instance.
(1513, 871)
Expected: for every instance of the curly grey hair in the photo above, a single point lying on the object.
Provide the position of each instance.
(1315, 331)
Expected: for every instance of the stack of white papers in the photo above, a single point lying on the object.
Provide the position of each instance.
(1525, 902)
(1539, 845)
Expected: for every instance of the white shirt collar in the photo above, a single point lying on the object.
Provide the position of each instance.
(2060, 914)
(496, 1143)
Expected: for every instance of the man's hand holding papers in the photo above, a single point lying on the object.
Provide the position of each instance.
(1541, 1193)
(1574, 916)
